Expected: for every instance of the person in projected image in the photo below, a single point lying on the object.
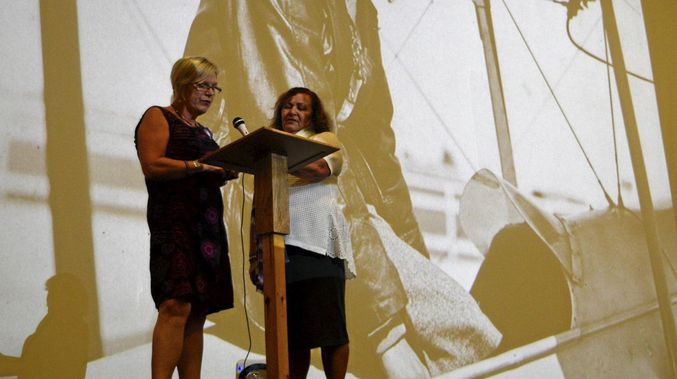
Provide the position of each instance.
(189, 263)
(408, 318)
(318, 249)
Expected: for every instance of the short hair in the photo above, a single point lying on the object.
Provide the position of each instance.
(319, 119)
(189, 70)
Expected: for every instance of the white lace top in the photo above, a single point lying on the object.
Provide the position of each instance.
(316, 220)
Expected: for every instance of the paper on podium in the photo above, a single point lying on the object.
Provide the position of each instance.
(242, 154)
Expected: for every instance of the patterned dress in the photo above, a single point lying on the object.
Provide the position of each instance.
(188, 246)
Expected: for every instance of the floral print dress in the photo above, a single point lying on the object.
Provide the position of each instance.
(188, 245)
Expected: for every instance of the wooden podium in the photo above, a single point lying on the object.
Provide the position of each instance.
(269, 154)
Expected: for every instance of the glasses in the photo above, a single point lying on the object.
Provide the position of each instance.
(204, 87)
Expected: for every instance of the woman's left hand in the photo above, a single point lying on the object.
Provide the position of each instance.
(224, 174)
(227, 174)
(314, 172)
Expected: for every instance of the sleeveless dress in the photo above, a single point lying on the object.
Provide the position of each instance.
(188, 245)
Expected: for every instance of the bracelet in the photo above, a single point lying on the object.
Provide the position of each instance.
(196, 166)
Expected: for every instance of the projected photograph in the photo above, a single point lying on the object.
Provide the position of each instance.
(487, 189)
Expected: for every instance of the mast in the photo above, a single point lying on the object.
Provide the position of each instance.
(641, 180)
(659, 21)
(486, 27)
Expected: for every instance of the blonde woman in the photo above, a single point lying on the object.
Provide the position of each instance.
(189, 265)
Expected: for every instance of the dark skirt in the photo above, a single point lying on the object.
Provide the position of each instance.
(316, 313)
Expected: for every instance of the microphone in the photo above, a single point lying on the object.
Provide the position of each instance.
(238, 123)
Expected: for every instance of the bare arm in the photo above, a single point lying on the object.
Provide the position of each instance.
(153, 136)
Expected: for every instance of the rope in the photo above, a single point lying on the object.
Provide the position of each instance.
(429, 103)
(603, 61)
(438, 116)
(561, 77)
(552, 92)
(591, 55)
(396, 54)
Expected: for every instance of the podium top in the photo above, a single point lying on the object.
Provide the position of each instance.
(242, 154)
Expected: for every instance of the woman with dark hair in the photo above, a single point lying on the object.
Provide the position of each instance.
(319, 254)
(189, 266)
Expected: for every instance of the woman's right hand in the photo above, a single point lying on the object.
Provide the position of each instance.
(221, 174)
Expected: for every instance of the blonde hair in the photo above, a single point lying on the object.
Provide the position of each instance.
(187, 71)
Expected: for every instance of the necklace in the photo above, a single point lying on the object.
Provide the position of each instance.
(176, 112)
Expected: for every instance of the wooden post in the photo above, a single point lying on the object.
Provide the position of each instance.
(486, 27)
(659, 22)
(642, 182)
(271, 197)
